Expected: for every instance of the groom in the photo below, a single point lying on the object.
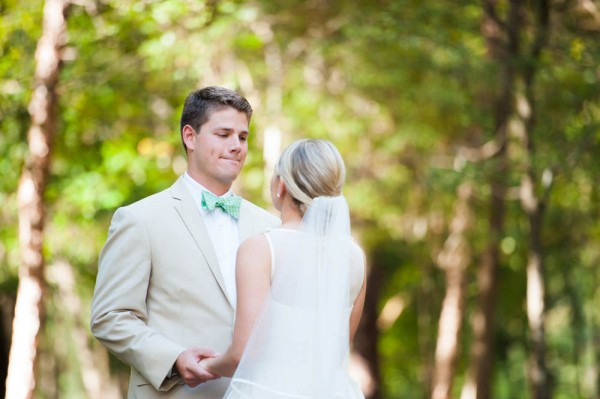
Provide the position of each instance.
(165, 290)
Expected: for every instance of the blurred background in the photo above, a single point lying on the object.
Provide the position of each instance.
(471, 133)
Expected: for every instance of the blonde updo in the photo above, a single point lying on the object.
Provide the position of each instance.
(311, 168)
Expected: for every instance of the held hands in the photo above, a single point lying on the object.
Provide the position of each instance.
(188, 366)
(205, 363)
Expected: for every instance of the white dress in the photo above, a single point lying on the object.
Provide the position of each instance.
(299, 346)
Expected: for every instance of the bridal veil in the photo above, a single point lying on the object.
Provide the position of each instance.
(300, 342)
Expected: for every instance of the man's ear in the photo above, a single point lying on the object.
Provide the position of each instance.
(187, 134)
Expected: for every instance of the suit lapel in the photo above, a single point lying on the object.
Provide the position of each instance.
(192, 219)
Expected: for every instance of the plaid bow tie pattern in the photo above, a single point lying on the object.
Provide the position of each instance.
(230, 204)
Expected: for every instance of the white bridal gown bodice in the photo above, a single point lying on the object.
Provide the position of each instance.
(299, 347)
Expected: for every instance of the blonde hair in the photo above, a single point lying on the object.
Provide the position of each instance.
(311, 168)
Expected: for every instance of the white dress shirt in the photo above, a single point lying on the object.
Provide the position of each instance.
(224, 234)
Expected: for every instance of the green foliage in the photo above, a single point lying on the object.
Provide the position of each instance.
(401, 87)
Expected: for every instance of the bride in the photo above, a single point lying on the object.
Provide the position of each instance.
(300, 288)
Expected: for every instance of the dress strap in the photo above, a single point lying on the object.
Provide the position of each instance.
(272, 252)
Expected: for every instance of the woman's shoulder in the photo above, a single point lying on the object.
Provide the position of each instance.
(357, 254)
(254, 254)
(255, 242)
(355, 247)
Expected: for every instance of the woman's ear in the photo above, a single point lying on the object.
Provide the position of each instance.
(187, 134)
(281, 190)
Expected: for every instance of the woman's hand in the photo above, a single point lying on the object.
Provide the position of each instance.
(206, 363)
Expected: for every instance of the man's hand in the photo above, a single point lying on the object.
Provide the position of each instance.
(188, 366)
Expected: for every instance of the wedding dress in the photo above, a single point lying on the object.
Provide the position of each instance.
(299, 346)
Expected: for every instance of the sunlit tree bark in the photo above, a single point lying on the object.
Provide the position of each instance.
(534, 204)
(453, 259)
(273, 135)
(34, 178)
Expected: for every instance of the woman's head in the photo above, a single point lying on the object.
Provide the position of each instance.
(311, 168)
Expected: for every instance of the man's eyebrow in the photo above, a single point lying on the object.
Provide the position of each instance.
(230, 130)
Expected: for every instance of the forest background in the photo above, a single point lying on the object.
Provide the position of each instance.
(471, 133)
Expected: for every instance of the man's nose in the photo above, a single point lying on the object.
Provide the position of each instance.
(235, 144)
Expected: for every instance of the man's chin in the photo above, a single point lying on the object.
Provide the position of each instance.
(229, 178)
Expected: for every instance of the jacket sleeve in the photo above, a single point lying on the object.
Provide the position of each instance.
(119, 314)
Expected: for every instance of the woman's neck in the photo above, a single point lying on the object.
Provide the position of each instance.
(290, 214)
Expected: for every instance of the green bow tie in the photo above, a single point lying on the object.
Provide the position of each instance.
(230, 204)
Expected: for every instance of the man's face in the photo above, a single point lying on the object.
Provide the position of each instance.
(219, 149)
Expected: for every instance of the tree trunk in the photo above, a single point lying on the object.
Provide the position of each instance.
(595, 338)
(7, 308)
(501, 37)
(453, 259)
(20, 382)
(367, 336)
(426, 303)
(538, 372)
(534, 207)
(95, 372)
(273, 137)
(479, 374)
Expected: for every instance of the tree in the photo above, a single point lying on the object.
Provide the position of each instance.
(454, 260)
(502, 46)
(533, 200)
(420, 97)
(43, 108)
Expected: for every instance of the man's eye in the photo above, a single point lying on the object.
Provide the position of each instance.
(243, 138)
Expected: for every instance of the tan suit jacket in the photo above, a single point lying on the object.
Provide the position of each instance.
(159, 290)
